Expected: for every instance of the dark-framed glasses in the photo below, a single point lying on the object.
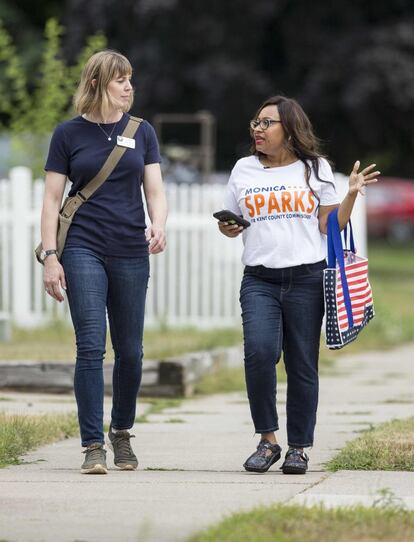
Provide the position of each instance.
(262, 123)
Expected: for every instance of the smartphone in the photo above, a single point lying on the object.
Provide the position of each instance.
(231, 218)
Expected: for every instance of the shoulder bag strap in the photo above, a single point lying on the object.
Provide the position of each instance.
(116, 154)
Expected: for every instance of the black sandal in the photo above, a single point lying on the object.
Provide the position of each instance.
(296, 462)
(259, 461)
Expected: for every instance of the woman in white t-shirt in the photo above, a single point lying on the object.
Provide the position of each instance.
(286, 190)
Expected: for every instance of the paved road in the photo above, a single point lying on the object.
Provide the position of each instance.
(190, 473)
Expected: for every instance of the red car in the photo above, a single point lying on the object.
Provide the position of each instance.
(390, 209)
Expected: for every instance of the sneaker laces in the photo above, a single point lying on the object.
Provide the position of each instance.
(122, 439)
(94, 452)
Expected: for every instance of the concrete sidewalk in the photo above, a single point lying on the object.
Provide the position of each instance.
(190, 473)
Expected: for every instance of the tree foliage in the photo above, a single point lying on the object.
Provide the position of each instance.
(14, 97)
(32, 105)
(349, 63)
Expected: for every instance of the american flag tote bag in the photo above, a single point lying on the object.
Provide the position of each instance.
(348, 294)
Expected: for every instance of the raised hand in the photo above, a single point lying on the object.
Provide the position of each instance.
(359, 179)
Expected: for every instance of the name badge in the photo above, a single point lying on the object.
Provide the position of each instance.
(125, 142)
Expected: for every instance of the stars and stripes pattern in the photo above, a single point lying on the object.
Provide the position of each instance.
(339, 332)
(360, 292)
(348, 295)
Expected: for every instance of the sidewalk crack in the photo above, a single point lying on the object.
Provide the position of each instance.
(314, 484)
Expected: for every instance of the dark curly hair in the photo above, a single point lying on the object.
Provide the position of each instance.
(300, 138)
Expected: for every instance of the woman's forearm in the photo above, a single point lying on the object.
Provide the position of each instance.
(49, 225)
(52, 198)
(345, 209)
(157, 209)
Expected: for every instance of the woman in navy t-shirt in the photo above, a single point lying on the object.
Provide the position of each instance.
(105, 263)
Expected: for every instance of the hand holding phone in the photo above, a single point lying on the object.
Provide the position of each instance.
(231, 218)
(230, 225)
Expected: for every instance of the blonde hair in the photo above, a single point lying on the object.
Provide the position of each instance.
(103, 67)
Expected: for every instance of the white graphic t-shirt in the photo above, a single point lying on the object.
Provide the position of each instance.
(283, 212)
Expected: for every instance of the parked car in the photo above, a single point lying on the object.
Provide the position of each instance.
(390, 209)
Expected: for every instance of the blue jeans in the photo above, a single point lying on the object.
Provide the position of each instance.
(96, 284)
(282, 310)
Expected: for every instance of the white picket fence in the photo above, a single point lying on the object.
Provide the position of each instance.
(195, 282)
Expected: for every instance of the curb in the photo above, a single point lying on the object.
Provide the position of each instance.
(170, 377)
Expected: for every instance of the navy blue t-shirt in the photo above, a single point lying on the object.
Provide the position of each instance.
(112, 221)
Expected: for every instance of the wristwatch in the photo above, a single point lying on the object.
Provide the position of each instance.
(45, 253)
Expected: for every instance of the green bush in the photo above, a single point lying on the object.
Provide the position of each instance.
(33, 105)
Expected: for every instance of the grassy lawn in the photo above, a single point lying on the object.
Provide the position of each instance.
(223, 380)
(389, 446)
(391, 273)
(232, 379)
(156, 406)
(19, 434)
(298, 524)
(56, 342)
(392, 278)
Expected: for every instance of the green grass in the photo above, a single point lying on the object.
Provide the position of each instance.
(231, 379)
(157, 406)
(355, 413)
(223, 380)
(398, 401)
(392, 279)
(56, 342)
(389, 446)
(387, 259)
(283, 523)
(391, 273)
(19, 434)
(168, 342)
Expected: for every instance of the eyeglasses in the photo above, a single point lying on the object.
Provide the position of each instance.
(263, 123)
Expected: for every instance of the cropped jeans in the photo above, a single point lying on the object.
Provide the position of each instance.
(95, 285)
(282, 311)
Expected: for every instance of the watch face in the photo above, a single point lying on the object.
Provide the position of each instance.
(42, 255)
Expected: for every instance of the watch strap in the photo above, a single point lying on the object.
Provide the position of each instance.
(49, 253)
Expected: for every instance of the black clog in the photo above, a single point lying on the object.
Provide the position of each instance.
(260, 460)
(296, 462)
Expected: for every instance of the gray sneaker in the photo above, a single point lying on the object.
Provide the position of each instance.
(119, 443)
(95, 460)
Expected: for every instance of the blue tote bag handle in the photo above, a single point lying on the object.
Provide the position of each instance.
(336, 254)
(351, 238)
